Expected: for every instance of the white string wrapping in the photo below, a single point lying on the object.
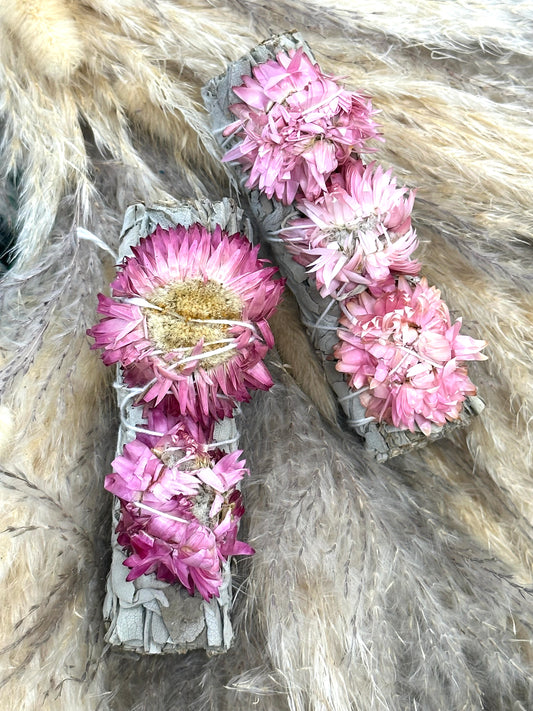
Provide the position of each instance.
(143, 614)
(321, 316)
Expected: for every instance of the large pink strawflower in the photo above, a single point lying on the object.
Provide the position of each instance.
(188, 317)
(297, 125)
(403, 354)
(357, 232)
(179, 506)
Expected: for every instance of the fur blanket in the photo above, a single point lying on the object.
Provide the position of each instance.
(406, 586)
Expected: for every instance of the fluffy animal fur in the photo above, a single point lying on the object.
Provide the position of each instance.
(387, 588)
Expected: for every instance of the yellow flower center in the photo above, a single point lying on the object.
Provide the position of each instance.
(183, 314)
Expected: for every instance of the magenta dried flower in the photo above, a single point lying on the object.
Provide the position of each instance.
(179, 506)
(402, 353)
(298, 125)
(172, 547)
(177, 547)
(357, 232)
(188, 317)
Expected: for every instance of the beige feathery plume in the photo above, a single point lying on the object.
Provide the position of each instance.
(373, 587)
(46, 34)
(7, 429)
(298, 355)
(138, 65)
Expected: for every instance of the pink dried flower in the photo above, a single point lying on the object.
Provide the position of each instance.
(356, 233)
(188, 317)
(175, 545)
(402, 352)
(179, 506)
(297, 125)
(155, 468)
(173, 548)
(226, 531)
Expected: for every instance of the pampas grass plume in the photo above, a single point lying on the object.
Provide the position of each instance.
(299, 356)
(376, 588)
(47, 32)
(7, 429)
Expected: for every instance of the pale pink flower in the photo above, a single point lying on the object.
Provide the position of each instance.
(188, 317)
(357, 232)
(403, 354)
(297, 125)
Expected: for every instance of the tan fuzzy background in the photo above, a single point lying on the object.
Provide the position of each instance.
(390, 588)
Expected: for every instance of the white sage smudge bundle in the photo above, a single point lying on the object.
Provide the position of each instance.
(341, 233)
(186, 324)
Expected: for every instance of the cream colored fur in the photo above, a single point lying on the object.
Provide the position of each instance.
(373, 587)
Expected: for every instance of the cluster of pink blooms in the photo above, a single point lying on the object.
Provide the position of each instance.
(357, 232)
(302, 138)
(187, 322)
(298, 125)
(180, 508)
(400, 349)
